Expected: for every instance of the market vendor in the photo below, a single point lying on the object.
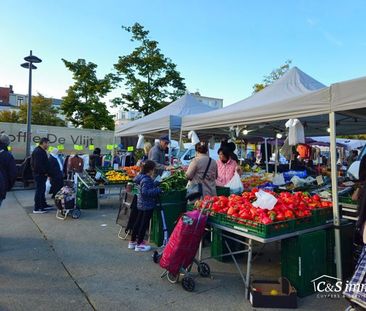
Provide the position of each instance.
(157, 154)
(226, 167)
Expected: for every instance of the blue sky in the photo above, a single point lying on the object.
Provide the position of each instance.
(221, 47)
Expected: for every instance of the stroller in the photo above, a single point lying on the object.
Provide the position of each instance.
(65, 203)
(179, 254)
(127, 214)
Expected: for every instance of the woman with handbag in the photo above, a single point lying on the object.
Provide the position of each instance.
(202, 173)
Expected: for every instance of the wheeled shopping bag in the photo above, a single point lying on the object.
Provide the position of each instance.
(65, 203)
(179, 254)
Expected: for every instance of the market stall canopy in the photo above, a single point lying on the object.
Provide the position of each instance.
(283, 99)
(165, 118)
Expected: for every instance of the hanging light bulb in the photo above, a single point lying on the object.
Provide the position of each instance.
(279, 135)
(328, 130)
(245, 132)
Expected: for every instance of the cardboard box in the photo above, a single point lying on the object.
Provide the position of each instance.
(273, 294)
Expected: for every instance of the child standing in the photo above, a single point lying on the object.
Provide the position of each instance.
(146, 202)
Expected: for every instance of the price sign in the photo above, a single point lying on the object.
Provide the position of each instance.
(130, 148)
(319, 180)
(91, 147)
(109, 147)
(60, 147)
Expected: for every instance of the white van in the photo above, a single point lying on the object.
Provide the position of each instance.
(353, 170)
(186, 155)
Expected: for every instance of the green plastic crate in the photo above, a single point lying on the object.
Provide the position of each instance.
(86, 199)
(347, 200)
(259, 229)
(347, 232)
(322, 215)
(225, 191)
(172, 213)
(174, 196)
(303, 259)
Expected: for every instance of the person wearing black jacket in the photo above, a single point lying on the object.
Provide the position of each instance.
(95, 160)
(8, 169)
(55, 172)
(40, 167)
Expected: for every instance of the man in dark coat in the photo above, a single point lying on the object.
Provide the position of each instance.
(40, 167)
(8, 169)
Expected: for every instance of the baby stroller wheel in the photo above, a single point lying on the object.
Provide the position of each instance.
(76, 213)
(172, 278)
(204, 269)
(156, 257)
(188, 284)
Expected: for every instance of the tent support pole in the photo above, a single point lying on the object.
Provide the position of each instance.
(180, 137)
(266, 153)
(336, 213)
(276, 156)
(170, 147)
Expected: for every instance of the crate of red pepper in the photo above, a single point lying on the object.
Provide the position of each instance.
(292, 212)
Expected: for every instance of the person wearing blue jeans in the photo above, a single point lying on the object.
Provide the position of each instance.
(40, 167)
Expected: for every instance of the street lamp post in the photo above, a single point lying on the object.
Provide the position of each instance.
(30, 60)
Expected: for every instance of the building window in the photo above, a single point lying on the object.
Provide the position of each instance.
(20, 100)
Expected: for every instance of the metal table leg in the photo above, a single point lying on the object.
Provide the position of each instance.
(249, 267)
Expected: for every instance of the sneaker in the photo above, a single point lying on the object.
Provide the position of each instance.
(142, 247)
(49, 208)
(39, 211)
(132, 245)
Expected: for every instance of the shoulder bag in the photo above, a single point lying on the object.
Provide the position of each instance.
(194, 191)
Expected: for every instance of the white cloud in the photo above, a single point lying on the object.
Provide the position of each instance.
(331, 38)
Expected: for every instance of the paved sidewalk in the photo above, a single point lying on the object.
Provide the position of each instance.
(32, 277)
(49, 264)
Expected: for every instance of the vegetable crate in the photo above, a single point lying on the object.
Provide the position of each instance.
(268, 230)
(347, 231)
(85, 198)
(174, 205)
(303, 259)
(346, 200)
(225, 191)
(322, 215)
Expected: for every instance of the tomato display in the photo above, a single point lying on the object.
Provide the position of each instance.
(289, 206)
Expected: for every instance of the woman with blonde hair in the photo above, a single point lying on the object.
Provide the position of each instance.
(147, 148)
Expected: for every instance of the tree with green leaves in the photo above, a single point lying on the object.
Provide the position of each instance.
(10, 116)
(83, 105)
(150, 78)
(272, 77)
(43, 113)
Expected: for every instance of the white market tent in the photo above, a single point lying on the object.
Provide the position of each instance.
(164, 119)
(275, 102)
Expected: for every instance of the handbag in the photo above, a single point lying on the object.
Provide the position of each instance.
(194, 191)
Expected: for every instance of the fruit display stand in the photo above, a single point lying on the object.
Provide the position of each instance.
(89, 190)
(246, 239)
(313, 216)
